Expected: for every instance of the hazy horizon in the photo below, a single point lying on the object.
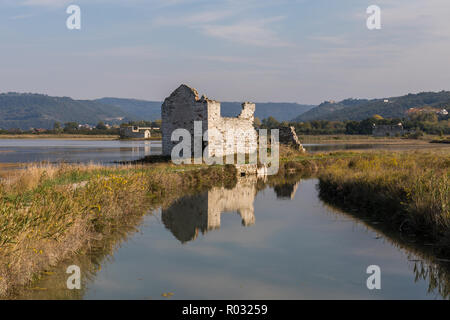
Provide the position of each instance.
(228, 101)
(299, 51)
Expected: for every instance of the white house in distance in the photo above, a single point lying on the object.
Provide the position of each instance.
(135, 132)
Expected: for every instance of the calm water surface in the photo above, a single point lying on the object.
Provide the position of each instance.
(74, 151)
(108, 151)
(253, 242)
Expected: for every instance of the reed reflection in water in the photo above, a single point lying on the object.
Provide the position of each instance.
(272, 239)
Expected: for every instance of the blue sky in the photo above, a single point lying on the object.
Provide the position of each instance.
(302, 51)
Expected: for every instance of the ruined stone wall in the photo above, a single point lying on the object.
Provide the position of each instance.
(237, 135)
(225, 135)
(288, 136)
(180, 110)
(387, 130)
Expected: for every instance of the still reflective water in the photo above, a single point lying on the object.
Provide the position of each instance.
(74, 151)
(108, 151)
(255, 241)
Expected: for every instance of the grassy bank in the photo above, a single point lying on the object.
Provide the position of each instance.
(408, 192)
(51, 213)
(347, 138)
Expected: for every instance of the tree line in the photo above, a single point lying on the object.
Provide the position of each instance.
(73, 127)
(429, 123)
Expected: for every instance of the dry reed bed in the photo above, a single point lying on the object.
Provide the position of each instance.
(49, 213)
(52, 212)
(408, 191)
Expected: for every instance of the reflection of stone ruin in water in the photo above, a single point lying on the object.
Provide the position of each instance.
(287, 190)
(191, 214)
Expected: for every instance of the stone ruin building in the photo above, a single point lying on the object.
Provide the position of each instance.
(388, 130)
(196, 116)
(184, 106)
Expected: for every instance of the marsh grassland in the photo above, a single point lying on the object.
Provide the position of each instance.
(49, 213)
(407, 191)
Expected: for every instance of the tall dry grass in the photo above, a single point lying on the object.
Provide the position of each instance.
(19, 181)
(409, 191)
(51, 212)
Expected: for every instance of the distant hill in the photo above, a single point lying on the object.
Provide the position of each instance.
(282, 111)
(151, 110)
(26, 110)
(360, 109)
(140, 109)
(327, 108)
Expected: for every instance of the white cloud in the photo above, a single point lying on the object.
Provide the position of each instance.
(60, 3)
(333, 40)
(255, 32)
(192, 19)
(428, 18)
(249, 32)
(230, 21)
(52, 3)
(21, 16)
(144, 52)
